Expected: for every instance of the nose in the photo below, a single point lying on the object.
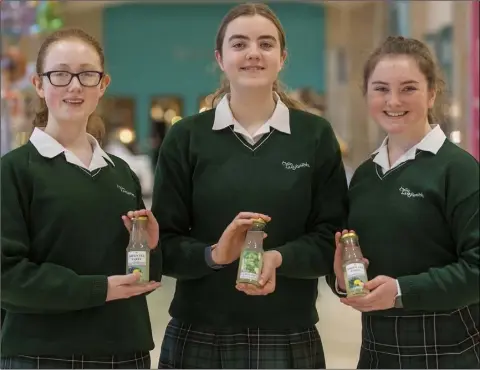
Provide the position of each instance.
(74, 84)
(393, 99)
(253, 53)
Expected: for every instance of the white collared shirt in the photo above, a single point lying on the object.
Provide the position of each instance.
(48, 147)
(432, 142)
(280, 120)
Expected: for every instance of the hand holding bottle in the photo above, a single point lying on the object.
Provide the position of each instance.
(230, 244)
(126, 286)
(152, 227)
(267, 283)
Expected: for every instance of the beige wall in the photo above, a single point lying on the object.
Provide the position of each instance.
(431, 16)
(356, 31)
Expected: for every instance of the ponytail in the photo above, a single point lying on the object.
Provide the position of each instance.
(224, 89)
(95, 125)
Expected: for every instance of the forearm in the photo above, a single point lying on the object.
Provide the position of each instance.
(48, 287)
(184, 258)
(453, 286)
(308, 257)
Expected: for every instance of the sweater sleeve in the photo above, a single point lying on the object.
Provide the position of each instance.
(457, 284)
(183, 256)
(311, 255)
(30, 287)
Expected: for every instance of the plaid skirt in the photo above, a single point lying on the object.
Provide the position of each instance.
(446, 340)
(195, 347)
(137, 360)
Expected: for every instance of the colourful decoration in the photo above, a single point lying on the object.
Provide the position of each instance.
(19, 18)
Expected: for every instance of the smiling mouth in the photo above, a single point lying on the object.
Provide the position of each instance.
(395, 114)
(252, 68)
(73, 101)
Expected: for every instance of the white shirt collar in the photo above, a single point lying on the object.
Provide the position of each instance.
(432, 142)
(280, 119)
(48, 147)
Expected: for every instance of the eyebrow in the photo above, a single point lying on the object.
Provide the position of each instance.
(243, 37)
(63, 65)
(403, 83)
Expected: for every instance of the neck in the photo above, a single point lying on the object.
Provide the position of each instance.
(406, 140)
(69, 135)
(252, 108)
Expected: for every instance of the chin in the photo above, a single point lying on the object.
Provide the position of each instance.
(254, 81)
(394, 128)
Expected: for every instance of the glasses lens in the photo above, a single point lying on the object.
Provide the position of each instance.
(60, 78)
(89, 78)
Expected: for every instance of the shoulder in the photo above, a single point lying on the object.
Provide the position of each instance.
(366, 168)
(306, 127)
(18, 158)
(462, 169)
(120, 165)
(193, 124)
(301, 120)
(457, 157)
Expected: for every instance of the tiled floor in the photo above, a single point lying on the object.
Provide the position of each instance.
(339, 325)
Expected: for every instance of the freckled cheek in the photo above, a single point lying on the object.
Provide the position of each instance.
(92, 97)
(375, 104)
(54, 97)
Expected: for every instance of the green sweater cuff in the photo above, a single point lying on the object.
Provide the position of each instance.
(98, 286)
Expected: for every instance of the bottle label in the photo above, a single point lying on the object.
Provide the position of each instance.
(250, 265)
(137, 263)
(355, 277)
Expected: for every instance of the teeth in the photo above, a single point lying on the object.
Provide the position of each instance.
(74, 101)
(392, 114)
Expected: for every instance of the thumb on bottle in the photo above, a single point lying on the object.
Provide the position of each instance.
(375, 283)
(131, 278)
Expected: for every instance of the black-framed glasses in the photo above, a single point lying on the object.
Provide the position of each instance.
(63, 78)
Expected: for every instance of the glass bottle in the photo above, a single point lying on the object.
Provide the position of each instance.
(251, 258)
(354, 270)
(138, 252)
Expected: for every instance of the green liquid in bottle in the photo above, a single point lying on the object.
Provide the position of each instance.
(251, 259)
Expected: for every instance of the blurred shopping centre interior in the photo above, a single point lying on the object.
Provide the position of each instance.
(161, 59)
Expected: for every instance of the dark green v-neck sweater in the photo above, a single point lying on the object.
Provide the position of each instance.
(62, 235)
(419, 223)
(205, 178)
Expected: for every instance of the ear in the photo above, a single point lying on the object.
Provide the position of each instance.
(37, 83)
(104, 84)
(432, 94)
(218, 57)
(283, 58)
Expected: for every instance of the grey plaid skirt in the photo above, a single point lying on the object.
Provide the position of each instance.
(446, 340)
(137, 360)
(194, 347)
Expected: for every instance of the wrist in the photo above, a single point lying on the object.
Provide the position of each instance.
(214, 255)
(277, 258)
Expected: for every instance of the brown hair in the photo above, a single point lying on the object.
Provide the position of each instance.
(251, 9)
(398, 45)
(95, 125)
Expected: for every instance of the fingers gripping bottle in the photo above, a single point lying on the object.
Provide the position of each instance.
(138, 252)
(354, 269)
(251, 258)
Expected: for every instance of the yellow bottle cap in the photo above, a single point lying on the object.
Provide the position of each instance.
(349, 235)
(142, 218)
(259, 221)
